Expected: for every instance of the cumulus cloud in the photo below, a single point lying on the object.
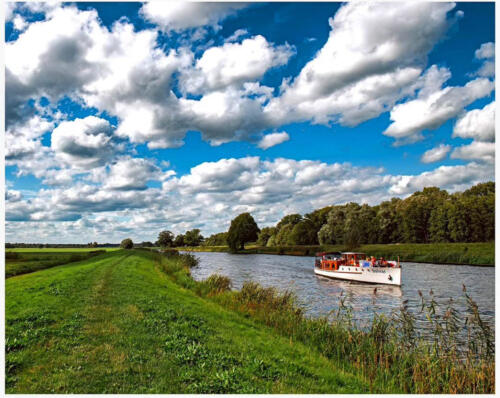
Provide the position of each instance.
(482, 151)
(435, 154)
(179, 15)
(478, 124)
(270, 140)
(373, 53)
(453, 178)
(431, 109)
(131, 173)
(84, 143)
(234, 63)
(486, 53)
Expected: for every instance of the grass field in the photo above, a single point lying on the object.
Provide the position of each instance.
(17, 263)
(59, 249)
(440, 253)
(117, 323)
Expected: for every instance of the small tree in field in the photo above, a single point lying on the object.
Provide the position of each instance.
(127, 244)
(243, 229)
(165, 239)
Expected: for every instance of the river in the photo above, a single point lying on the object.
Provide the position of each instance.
(320, 296)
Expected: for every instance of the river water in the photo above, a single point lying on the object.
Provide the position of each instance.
(320, 296)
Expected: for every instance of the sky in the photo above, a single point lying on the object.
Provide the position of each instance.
(126, 119)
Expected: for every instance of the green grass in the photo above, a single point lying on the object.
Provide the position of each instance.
(440, 253)
(391, 354)
(117, 323)
(59, 249)
(17, 263)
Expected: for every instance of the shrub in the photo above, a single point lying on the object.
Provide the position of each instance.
(127, 244)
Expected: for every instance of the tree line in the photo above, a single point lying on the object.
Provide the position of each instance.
(429, 216)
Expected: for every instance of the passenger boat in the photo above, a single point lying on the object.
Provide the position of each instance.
(357, 267)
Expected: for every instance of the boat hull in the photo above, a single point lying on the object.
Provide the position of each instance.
(375, 275)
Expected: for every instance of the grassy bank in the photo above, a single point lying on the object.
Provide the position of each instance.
(391, 355)
(118, 323)
(439, 253)
(17, 263)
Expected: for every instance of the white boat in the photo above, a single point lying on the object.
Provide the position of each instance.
(357, 267)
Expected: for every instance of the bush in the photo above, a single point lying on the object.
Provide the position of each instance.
(189, 260)
(127, 244)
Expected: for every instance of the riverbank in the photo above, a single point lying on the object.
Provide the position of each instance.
(482, 254)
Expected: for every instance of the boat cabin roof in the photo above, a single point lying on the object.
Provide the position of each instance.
(351, 253)
(327, 253)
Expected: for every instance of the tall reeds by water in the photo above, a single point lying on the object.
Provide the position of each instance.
(454, 353)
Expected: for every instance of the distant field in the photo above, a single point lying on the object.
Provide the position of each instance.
(60, 249)
(442, 253)
(17, 263)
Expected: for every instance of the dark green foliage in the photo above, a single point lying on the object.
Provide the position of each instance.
(127, 244)
(264, 235)
(219, 239)
(193, 237)
(179, 241)
(165, 239)
(243, 229)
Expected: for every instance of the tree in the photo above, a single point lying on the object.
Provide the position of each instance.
(179, 241)
(264, 235)
(243, 229)
(219, 239)
(303, 233)
(193, 237)
(165, 239)
(127, 244)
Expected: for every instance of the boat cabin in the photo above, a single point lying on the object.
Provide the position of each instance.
(352, 258)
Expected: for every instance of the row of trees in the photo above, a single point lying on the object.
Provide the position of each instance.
(190, 238)
(427, 216)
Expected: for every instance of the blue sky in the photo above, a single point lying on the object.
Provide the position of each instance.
(129, 118)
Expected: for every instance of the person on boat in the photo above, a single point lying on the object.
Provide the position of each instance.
(373, 261)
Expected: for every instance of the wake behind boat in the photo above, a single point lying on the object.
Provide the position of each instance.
(357, 267)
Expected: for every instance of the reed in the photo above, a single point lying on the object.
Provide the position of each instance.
(391, 352)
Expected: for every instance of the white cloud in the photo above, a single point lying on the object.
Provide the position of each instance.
(235, 63)
(430, 110)
(477, 123)
(131, 173)
(435, 154)
(180, 15)
(84, 143)
(374, 52)
(19, 22)
(486, 51)
(270, 140)
(482, 151)
(452, 178)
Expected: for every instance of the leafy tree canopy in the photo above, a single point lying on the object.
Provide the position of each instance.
(243, 229)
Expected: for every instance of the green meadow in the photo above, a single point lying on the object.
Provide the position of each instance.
(59, 249)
